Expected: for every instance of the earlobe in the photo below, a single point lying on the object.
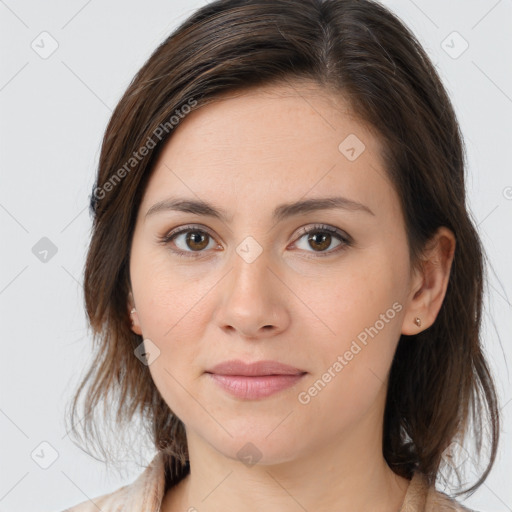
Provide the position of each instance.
(428, 299)
(134, 318)
(135, 325)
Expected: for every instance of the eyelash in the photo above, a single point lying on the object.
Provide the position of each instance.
(317, 228)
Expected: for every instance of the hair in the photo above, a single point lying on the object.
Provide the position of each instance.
(439, 382)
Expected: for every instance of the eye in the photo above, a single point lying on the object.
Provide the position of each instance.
(189, 240)
(320, 237)
(193, 241)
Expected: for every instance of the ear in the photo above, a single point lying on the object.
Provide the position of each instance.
(429, 284)
(132, 313)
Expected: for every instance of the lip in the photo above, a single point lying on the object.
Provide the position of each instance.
(256, 369)
(254, 380)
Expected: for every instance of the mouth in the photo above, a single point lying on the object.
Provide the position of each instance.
(254, 380)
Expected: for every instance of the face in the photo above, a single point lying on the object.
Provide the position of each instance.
(323, 287)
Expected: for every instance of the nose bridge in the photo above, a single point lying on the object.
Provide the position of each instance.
(250, 275)
(249, 261)
(249, 299)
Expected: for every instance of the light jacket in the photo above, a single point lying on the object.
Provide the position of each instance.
(145, 494)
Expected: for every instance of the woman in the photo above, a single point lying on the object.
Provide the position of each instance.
(283, 274)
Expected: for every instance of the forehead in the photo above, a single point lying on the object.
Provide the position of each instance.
(289, 139)
(271, 117)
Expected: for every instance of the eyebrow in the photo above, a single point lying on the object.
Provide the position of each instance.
(281, 212)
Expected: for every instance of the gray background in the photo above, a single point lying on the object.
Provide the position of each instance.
(54, 109)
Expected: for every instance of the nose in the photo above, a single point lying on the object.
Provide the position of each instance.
(251, 300)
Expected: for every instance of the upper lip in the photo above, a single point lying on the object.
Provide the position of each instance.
(238, 367)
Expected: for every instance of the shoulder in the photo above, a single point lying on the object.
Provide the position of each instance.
(144, 494)
(106, 502)
(438, 501)
(421, 497)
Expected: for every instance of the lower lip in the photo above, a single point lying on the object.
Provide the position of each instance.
(251, 388)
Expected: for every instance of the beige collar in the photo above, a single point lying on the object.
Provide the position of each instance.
(146, 493)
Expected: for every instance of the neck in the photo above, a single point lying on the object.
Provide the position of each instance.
(346, 474)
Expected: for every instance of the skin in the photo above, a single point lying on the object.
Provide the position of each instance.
(248, 153)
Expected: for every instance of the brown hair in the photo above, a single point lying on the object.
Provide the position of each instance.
(439, 382)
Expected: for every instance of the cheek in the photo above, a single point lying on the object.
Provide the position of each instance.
(363, 307)
(168, 296)
(367, 292)
(171, 315)
(351, 374)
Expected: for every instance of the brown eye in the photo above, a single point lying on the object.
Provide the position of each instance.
(196, 240)
(189, 241)
(320, 241)
(323, 240)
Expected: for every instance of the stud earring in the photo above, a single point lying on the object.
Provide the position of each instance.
(131, 313)
(417, 321)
